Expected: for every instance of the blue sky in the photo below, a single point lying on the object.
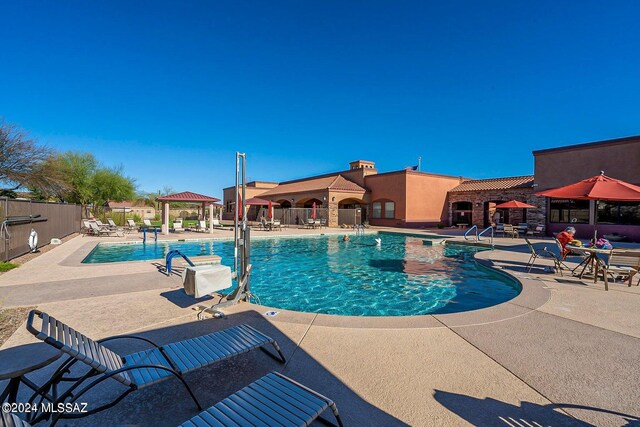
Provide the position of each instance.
(170, 90)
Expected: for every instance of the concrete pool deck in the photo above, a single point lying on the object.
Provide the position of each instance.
(564, 352)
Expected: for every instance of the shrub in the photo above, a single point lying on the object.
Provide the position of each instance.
(6, 266)
(440, 225)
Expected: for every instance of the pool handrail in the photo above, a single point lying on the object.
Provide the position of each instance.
(175, 253)
(484, 231)
(466, 234)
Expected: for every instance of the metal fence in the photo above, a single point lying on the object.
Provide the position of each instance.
(56, 220)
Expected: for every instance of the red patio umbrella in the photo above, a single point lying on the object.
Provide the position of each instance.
(239, 207)
(270, 213)
(599, 187)
(313, 210)
(514, 204)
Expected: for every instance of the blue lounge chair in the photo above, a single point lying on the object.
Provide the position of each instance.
(139, 369)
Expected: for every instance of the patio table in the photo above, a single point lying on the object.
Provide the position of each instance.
(591, 260)
(16, 362)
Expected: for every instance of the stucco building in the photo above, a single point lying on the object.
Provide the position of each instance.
(401, 199)
(473, 202)
(408, 198)
(617, 158)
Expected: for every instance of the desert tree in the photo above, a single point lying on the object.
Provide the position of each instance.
(23, 163)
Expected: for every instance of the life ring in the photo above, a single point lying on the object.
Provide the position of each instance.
(33, 240)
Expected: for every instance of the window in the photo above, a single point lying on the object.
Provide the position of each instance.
(377, 210)
(569, 211)
(618, 213)
(389, 210)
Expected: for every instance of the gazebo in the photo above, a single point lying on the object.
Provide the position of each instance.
(187, 197)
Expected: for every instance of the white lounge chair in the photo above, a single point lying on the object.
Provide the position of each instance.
(131, 225)
(113, 226)
(217, 224)
(96, 230)
(147, 223)
(202, 226)
(177, 227)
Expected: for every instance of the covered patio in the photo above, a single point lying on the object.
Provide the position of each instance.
(188, 197)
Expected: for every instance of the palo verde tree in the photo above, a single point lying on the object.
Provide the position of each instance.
(89, 183)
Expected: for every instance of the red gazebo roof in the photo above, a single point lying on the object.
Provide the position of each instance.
(188, 196)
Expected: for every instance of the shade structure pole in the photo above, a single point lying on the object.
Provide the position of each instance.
(595, 223)
(210, 218)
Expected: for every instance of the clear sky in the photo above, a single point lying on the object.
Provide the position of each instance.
(170, 90)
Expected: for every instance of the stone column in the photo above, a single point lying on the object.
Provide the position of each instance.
(333, 215)
(165, 218)
(210, 218)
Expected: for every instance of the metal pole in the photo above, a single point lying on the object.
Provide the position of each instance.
(6, 239)
(419, 163)
(235, 220)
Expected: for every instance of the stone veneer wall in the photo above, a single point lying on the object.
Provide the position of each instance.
(526, 195)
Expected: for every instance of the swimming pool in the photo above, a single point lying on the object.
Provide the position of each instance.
(323, 274)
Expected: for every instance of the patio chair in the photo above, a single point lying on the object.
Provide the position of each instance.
(272, 400)
(131, 225)
(310, 223)
(177, 227)
(147, 223)
(101, 224)
(136, 370)
(499, 229)
(545, 254)
(537, 231)
(621, 263)
(101, 231)
(86, 228)
(217, 224)
(510, 230)
(276, 225)
(202, 226)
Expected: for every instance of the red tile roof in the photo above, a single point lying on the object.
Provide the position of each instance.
(495, 184)
(187, 196)
(331, 182)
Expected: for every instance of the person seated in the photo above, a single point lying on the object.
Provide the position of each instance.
(565, 237)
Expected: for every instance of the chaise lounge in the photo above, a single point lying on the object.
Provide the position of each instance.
(136, 370)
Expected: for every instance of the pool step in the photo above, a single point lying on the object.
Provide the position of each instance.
(197, 260)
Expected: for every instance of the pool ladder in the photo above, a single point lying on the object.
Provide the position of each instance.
(478, 235)
(466, 234)
(484, 231)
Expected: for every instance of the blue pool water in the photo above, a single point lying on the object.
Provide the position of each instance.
(323, 274)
